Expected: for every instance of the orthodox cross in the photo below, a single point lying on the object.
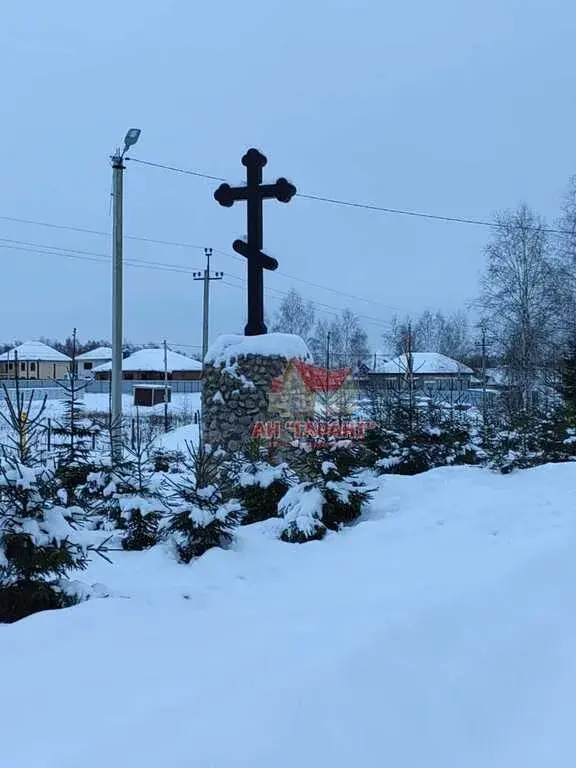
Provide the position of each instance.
(254, 193)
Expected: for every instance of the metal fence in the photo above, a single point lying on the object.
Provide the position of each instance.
(50, 388)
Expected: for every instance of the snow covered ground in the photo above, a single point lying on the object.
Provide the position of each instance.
(183, 407)
(439, 632)
(182, 403)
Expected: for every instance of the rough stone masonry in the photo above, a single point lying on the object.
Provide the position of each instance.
(237, 381)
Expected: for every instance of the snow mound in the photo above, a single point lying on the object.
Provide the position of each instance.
(437, 633)
(228, 348)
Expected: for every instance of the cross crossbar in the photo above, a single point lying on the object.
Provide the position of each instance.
(254, 193)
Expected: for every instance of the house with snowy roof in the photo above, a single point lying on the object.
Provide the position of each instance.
(148, 365)
(34, 360)
(427, 369)
(87, 361)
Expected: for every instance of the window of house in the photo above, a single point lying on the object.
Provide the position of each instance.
(32, 366)
(22, 366)
(88, 366)
(11, 366)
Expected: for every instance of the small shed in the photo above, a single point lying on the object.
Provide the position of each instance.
(148, 395)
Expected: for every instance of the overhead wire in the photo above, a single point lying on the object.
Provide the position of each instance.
(172, 243)
(364, 206)
(136, 262)
(82, 255)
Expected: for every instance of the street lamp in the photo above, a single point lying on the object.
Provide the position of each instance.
(116, 379)
(131, 138)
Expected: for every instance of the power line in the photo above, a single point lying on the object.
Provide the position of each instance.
(172, 243)
(101, 258)
(368, 206)
(74, 253)
(328, 307)
(100, 233)
(318, 285)
(176, 170)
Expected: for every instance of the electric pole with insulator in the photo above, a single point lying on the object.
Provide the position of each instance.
(483, 345)
(206, 277)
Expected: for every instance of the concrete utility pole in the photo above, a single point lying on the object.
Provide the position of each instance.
(410, 375)
(165, 386)
(117, 294)
(206, 277)
(483, 344)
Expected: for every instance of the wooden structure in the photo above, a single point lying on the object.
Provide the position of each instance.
(254, 193)
(148, 395)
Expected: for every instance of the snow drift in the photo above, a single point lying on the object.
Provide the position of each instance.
(438, 632)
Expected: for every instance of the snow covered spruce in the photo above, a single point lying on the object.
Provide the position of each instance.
(200, 516)
(40, 542)
(329, 494)
(42, 516)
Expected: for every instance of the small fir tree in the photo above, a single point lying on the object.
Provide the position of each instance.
(75, 433)
(330, 493)
(200, 516)
(301, 508)
(257, 482)
(132, 495)
(39, 543)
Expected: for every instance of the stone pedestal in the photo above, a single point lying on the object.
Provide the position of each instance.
(240, 375)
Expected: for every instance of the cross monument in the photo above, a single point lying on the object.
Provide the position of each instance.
(254, 193)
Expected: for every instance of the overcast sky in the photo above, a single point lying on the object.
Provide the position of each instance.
(451, 107)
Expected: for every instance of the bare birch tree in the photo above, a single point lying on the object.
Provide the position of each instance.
(294, 315)
(521, 293)
(566, 250)
(343, 341)
(431, 332)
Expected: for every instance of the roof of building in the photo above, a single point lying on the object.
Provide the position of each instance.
(100, 353)
(35, 351)
(153, 360)
(424, 364)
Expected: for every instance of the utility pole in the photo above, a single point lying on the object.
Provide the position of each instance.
(165, 386)
(118, 167)
(483, 344)
(326, 395)
(206, 277)
(74, 375)
(327, 360)
(410, 372)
